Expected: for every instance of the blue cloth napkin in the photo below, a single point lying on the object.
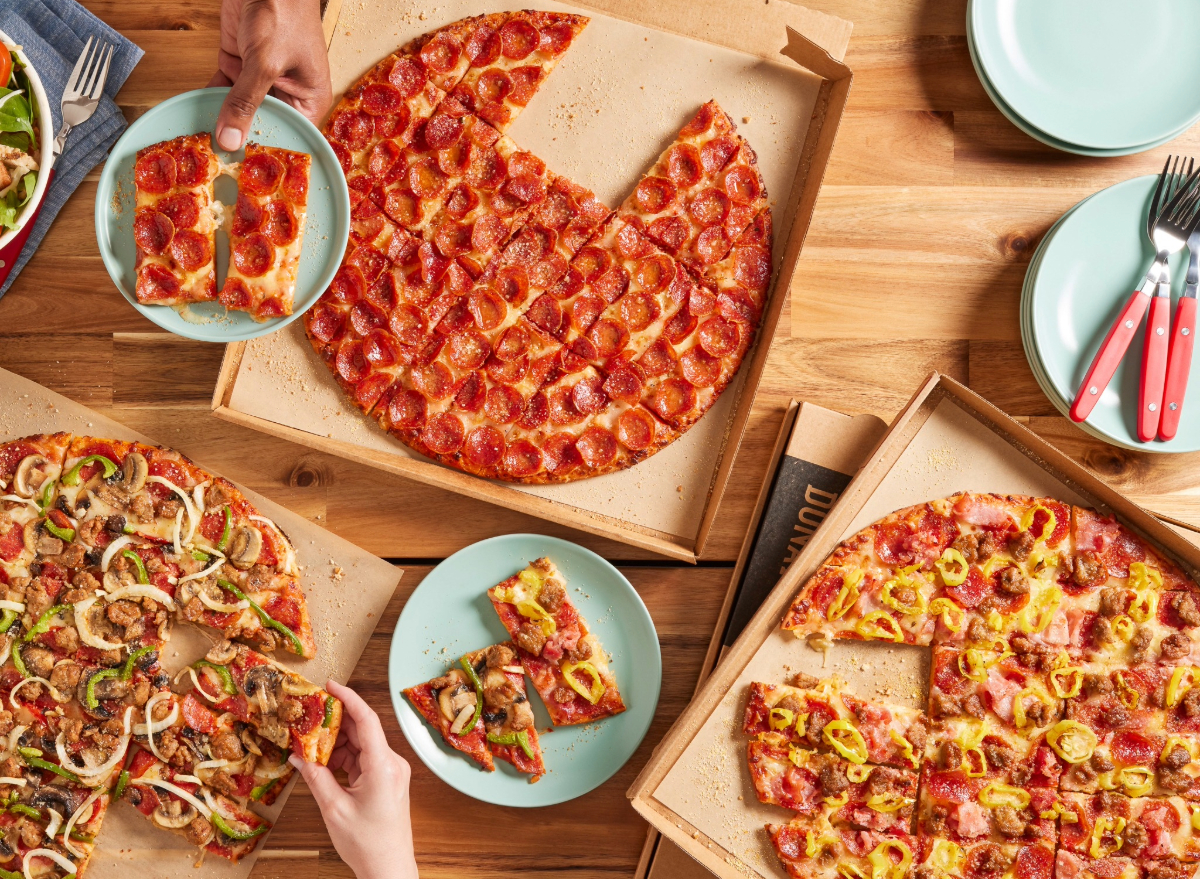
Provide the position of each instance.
(52, 34)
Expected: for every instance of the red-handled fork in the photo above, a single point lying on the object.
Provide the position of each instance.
(1168, 230)
(1179, 361)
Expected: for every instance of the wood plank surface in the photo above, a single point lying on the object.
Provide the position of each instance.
(920, 240)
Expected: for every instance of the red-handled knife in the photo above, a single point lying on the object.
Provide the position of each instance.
(1179, 361)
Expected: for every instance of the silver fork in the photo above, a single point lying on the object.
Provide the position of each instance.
(1168, 228)
(84, 88)
(1179, 358)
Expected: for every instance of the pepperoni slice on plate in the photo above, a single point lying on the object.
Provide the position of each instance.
(597, 447)
(624, 385)
(636, 430)
(280, 224)
(434, 381)
(254, 255)
(381, 99)
(654, 195)
(191, 166)
(609, 337)
(156, 283)
(711, 245)
(709, 207)
(700, 368)
(669, 232)
(440, 55)
(560, 454)
(716, 154)
(443, 433)
(719, 336)
(588, 395)
(673, 398)
(153, 231)
(525, 82)
(325, 323)
(503, 404)
(155, 172)
(406, 410)
(353, 128)
(683, 165)
(191, 250)
(262, 174)
(351, 364)
(468, 349)
(235, 294)
(181, 209)
(484, 447)
(521, 459)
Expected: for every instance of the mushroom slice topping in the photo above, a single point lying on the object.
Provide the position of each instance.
(245, 546)
(174, 814)
(30, 475)
(133, 473)
(222, 653)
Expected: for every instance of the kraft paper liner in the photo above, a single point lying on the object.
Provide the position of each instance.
(617, 98)
(709, 785)
(347, 589)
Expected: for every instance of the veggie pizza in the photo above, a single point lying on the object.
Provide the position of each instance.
(104, 546)
(1062, 732)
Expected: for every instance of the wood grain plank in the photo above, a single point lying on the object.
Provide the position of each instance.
(175, 61)
(77, 365)
(287, 864)
(896, 148)
(178, 15)
(162, 370)
(897, 17)
(913, 72)
(68, 295)
(1000, 372)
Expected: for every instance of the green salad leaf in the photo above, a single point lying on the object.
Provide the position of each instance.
(15, 112)
(11, 204)
(18, 130)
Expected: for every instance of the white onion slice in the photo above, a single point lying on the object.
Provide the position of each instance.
(67, 866)
(54, 693)
(78, 816)
(92, 772)
(215, 566)
(5, 604)
(13, 738)
(289, 565)
(20, 500)
(8, 779)
(151, 727)
(86, 635)
(193, 519)
(189, 779)
(221, 607)
(179, 792)
(56, 821)
(278, 772)
(213, 764)
(142, 590)
(188, 670)
(112, 549)
(128, 717)
(176, 531)
(198, 497)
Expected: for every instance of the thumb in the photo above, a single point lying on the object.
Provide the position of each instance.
(242, 102)
(325, 788)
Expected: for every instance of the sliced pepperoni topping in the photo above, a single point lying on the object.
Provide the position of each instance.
(343, 156)
(280, 224)
(636, 429)
(549, 270)
(379, 349)
(513, 343)
(503, 404)
(456, 159)
(325, 323)
(591, 262)
(483, 46)
(560, 454)
(468, 349)
(525, 82)
(715, 154)
(683, 165)
(262, 173)
(487, 308)
(654, 195)
(737, 306)
(181, 209)
(351, 127)
(434, 381)
(253, 256)
(365, 317)
(531, 245)
(679, 327)
(562, 406)
(711, 245)
(235, 294)
(440, 55)
(700, 368)
(191, 166)
(556, 37)
(752, 267)
(363, 207)
(701, 301)
(484, 447)
(624, 385)
(407, 324)
(408, 78)
(518, 39)
(493, 85)
(659, 359)
(632, 244)
(443, 433)
(385, 162)
(673, 398)
(155, 283)
(584, 349)
(191, 250)
(612, 285)
(670, 233)
(568, 285)
(597, 446)
(588, 395)
(402, 207)
(455, 318)
(453, 239)
(536, 413)
(155, 172)
(488, 232)
(525, 189)
(461, 200)
(639, 310)
(153, 231)
(506, 372)
(351, 364)
(381, 99)
(521, 459)
(425, 179)
(383, 292)
(406, 410)
(487, 169)
(709, 207)
(546, 313)
(471, 393)
(741, 184)
(609, 337)
(719, 336)
(584, 311)
(443, 131)
(701, 122)
(348, 285)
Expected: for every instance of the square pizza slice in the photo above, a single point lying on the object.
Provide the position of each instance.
(1024, 858)
(1153, 832)
(813, 848)
(507, 715)
(451, 704)
(174, 226)
(29, 474)
(266, 232)
(565, 661)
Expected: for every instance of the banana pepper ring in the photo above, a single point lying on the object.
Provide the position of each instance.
(953, 616)
(1047, 529)
(1038, 613)
(889, 802)
(998, 794)
(953, 567)
(594, 690)
(780, 718)
(1142, 576)
(1071, 740)
(882, 864)
(1066, 681)
(847, 596)
(914, 609)
(1106, 825)
(1144, 605)
(880, 625)
(1182, 680)
(846, 740)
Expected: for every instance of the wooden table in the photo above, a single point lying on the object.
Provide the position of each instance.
(932, 205)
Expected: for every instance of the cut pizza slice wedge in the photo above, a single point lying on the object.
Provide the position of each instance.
(452, 705)
(1150, 831)
(565, 661)
(810, 847)
(177, 802)
(266, 232)
(508, 721)
(1028, 858)
(29, 475)
(175, 223)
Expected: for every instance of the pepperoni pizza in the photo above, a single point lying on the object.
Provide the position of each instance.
(495, 316)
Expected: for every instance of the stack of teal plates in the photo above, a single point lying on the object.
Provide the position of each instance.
(1081, 275)
(1092, 77)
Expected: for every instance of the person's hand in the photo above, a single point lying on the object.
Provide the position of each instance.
(368, 820)
(274, 46)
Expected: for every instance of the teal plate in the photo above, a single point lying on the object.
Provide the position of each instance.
(1012, 116)
(1102, 74)
(326, 227)
(1086, 273)
(449, 614)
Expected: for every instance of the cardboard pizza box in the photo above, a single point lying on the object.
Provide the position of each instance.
(628, 84)
(696, 789)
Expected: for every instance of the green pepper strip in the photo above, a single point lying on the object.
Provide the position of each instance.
(517, 738)
(80, 836)
(32, 758)
(329, 712)
(45, 499)
(9, 874)
(475, 682)
(27, 811)
(43, 624)
(199, 556)
(143, 577)
(72, 477)
(122, 781)
(127, 671)
(90, 699)
(7, 620)
(225, 531)
(227, 684)
(264, 617)
(259, 792)
(237, 834)
(18, 661)
(66, 534)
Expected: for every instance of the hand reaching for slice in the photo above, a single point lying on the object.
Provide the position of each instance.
(368, 819)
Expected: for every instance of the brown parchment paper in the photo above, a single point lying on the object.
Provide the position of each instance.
(617, 98)
(709, 784)
(347, 589)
